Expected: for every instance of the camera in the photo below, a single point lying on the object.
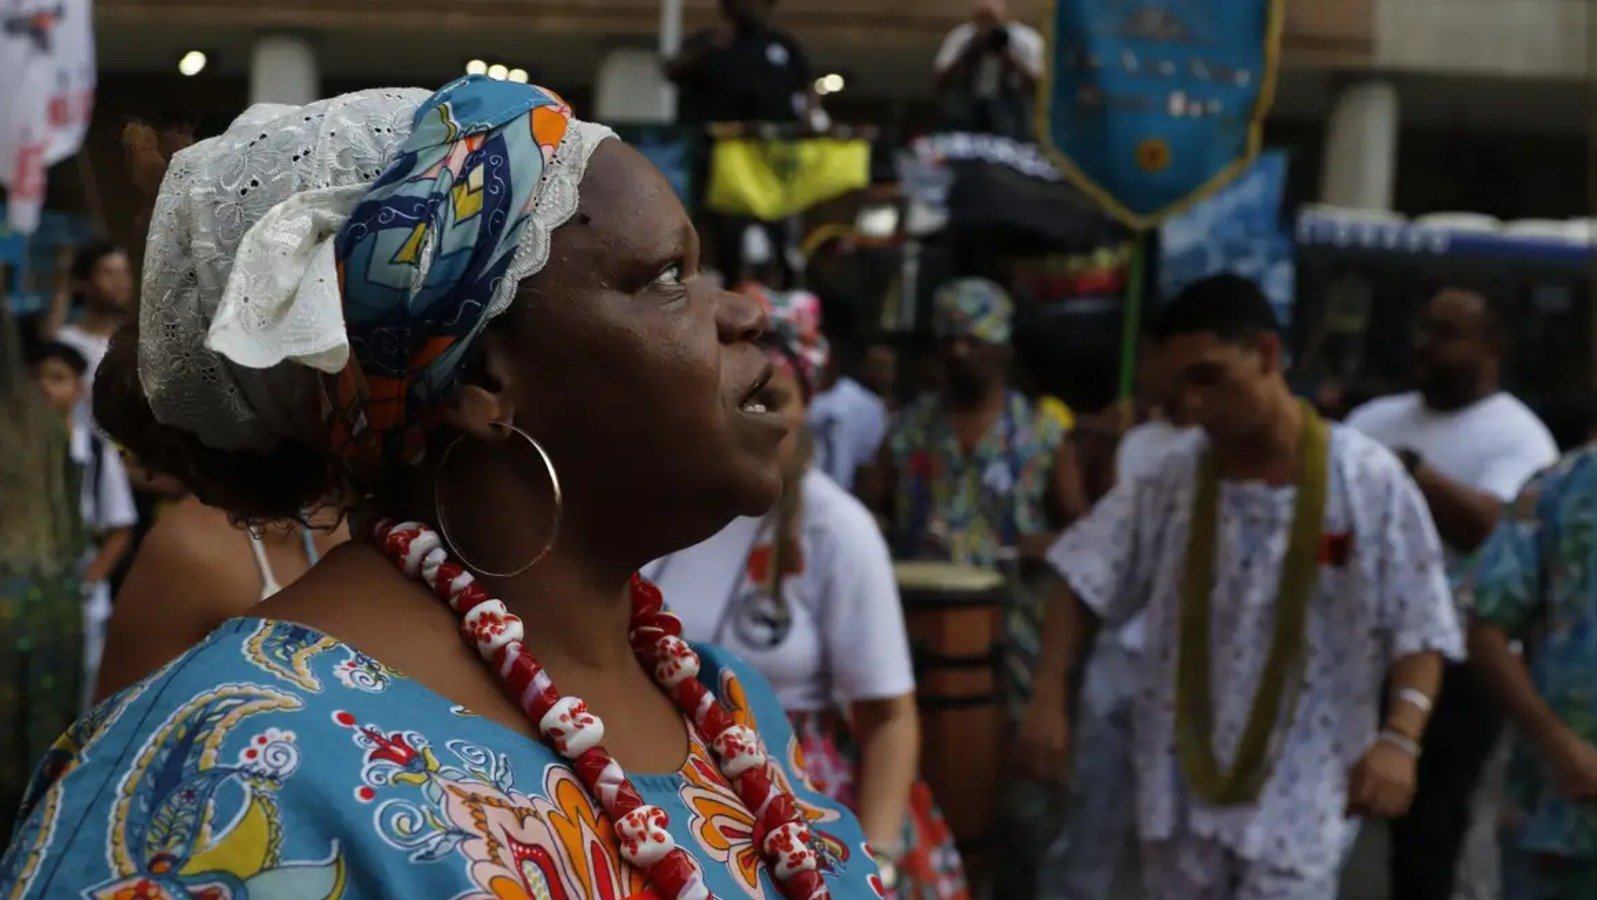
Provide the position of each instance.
(998, 38)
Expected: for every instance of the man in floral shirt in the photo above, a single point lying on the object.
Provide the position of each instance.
(1534, 583)
(970, 470)
(973, 474)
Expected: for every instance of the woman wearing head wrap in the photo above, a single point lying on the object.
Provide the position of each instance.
(473, 311)
(806, 595)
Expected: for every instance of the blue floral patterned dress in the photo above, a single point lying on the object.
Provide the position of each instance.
(1536, 579)
(273, 761)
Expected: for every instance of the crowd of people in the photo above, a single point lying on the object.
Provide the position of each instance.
(372, 460)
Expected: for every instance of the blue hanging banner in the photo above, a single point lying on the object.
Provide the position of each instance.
(1149, 105)
(1237, 229)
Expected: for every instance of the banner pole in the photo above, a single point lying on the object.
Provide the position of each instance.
(1131, 328)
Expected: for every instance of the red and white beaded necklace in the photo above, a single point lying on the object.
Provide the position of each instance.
(575, 733)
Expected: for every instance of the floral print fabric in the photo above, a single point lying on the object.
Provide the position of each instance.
(973, 508)
(1382, 595)
(973, 307)
(929, 867)
(967, 508)
(275, 762)
(1535, 579)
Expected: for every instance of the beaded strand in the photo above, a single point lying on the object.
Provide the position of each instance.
(779, 830)
(575, 733)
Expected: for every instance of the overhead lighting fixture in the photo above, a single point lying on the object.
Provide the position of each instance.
(498, 72)
(830, 84)
(476, 67)
(192, 63)
(519, 76)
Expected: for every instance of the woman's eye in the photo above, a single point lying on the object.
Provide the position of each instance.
(670, 276)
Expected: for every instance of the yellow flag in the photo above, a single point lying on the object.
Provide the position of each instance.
(772, 180)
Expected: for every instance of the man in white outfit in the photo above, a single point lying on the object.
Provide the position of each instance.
(1297, 612)
(849, 423)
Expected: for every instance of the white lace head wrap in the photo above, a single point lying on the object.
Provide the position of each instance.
(256, 278)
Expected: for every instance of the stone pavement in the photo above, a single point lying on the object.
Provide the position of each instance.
(1365, 875)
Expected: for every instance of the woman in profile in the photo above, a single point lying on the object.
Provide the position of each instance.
(475, 323)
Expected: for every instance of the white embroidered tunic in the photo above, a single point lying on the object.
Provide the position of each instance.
(1382, 595)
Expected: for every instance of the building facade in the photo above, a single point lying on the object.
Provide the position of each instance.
(1415, 105)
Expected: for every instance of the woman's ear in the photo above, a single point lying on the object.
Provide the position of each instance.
(483, 396)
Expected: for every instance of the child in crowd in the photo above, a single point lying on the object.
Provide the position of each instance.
(105, 496)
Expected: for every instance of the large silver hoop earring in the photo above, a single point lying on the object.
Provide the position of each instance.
(443, 518)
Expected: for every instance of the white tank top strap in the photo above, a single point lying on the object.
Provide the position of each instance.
(269, 585)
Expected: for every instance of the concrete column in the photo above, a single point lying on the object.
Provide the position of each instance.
(632, 88)
(283, 70)
(670, 46)
(1360, 167)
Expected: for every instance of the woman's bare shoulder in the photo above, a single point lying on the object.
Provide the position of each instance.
(192, 571)
(196, 540)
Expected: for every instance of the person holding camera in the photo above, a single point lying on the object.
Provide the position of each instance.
(987, 73)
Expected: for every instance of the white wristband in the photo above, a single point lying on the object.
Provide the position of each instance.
(1400, 741)
(1415, 697)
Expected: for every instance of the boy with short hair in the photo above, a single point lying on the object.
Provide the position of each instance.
(104, 494)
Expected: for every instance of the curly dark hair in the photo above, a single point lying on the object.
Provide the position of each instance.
(283, 483)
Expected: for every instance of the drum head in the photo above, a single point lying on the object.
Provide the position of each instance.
(932, 577)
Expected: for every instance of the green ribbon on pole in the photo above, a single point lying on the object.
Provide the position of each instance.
(1132, 327)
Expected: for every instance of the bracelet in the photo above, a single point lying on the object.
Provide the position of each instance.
(1401, 741)
(886, 869)
(1415, 697)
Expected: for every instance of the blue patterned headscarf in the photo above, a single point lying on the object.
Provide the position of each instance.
(436, 249)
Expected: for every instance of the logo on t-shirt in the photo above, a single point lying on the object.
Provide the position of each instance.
(760, 620)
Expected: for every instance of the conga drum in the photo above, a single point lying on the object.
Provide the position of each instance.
(954, 616)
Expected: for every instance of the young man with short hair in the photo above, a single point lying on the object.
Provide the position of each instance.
(1287, 568)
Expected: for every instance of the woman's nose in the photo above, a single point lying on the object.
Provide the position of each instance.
(740, 317)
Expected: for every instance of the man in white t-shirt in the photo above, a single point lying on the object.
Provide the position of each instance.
(1470, 447)
(987, 73)
(849, 423)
